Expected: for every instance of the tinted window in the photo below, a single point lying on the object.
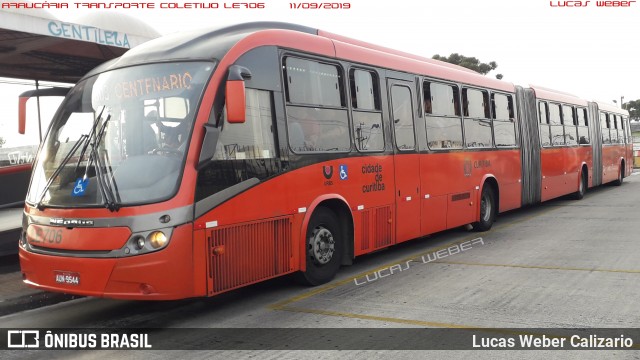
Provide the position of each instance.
(581, 114)
(583, 126)
(364, 90)
(444, 128)
(315, 127)
(315, 130)
(403, 117)
(545, 135)
(477, 133)
(475, 103)
(367, 117)
(253, 139)
(604, 125)
(503, 124)
(568, 119)
(312, 83)
(554, 114)
(367, 129)
(441, 99)
(542, 112)
(557, 135)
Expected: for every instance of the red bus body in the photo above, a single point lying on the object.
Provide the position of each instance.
(259, 229)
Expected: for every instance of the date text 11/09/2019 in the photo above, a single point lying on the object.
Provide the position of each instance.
(588, 3)
(326, 6)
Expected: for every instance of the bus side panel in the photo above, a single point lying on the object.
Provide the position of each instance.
(451, 185)
(574, 157)
(553, 168)
(509, 177)
(610, 163)
(200, 254)
(259, 234)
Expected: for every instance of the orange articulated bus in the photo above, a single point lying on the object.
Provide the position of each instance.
(202, 162)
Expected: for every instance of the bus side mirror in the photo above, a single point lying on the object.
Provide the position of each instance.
(25, 96)
(235, 94)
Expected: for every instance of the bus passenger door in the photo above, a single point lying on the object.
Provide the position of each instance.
(406, 160)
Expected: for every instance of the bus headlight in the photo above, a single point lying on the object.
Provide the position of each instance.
(139, 242)
(145, 242)
(157, 239)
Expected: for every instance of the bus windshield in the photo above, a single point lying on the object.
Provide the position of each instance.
(120, 138)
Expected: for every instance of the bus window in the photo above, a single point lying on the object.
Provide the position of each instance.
(403, 117)
(545, 133)
(583, 126)
(477, 123)
(569, 121)
(253, 139)
(618, 132)
(313, 83)
(627, 130)
(503, 120)
(367, 114)
(444, 128)
(556, 128)
(310, 128)
(604, 125)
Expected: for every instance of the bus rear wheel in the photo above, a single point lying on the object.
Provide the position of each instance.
(487, 209)
(323, 248)
(582, 189)
(620, 178)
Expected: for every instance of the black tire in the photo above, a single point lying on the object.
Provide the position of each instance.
(324, 244)
(487, 209)
(582, 189)
(620, 178)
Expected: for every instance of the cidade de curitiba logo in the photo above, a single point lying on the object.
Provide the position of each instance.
(41, 339)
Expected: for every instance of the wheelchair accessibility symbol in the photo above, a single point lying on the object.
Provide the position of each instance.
(344, 174)
(80, 187)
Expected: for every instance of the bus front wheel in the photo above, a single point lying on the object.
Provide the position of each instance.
(487, 209)
(323, 243)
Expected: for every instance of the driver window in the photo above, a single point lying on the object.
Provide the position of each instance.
(253, 139)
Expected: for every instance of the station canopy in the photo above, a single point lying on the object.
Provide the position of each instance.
(36, 45)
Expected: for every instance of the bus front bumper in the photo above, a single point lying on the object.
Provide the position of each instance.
(161, 275)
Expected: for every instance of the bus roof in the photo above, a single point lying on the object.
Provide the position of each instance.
(556, 95)
(208, 44)
(611, 108)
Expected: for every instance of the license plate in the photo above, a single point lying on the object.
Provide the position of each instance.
(67, 277)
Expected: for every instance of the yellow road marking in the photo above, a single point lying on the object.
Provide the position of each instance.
(538, 267)
(333, 285)
(376, 318)
(430, 323)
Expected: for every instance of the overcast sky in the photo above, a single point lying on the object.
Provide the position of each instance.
(589, 51)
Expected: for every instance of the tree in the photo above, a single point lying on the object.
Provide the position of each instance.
(634, 109)
(2, 141)
(470, 63)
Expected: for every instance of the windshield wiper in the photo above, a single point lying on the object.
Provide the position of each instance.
(93, 130)
(83, 140)
(109, 193)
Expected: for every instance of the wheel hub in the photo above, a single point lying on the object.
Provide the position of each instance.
(321, 245)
